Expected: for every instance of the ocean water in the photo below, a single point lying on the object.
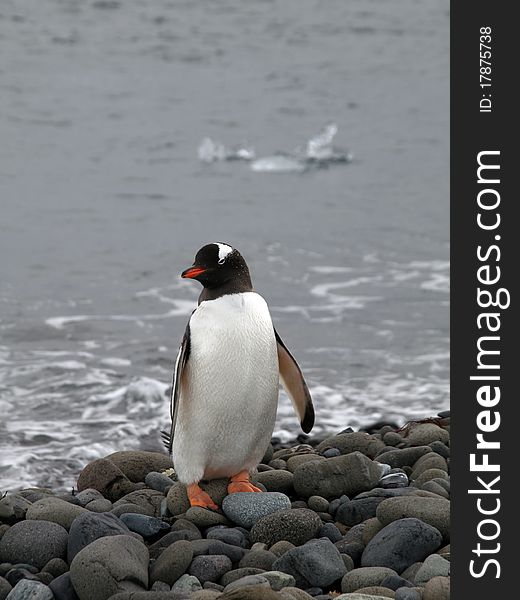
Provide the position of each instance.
(104, 201)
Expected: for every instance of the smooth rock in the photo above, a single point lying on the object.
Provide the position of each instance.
(54, 510)
(435, 488)
(394, 480)
(33, 542)
(408, 594)
(422, 434)
(203, 547)
(433, 566)
(403, 457)
(240, 573)
(172, 563)
(92, 526)
(358, 510)
(136, 464)
(410, 572)
(441, 449)
(437, 588)
(294, 525)
(229, 535)
(186, 583)
(13, 508)
(62, 588)
(56, 567)
(143, 524)
(376, 591)
(246, 508)
(317, 563)
(391, 438)
(259, 559)
(210, 567)
(158, 547)
(353, 442)
(250, 593)
(353, 549)
(295, 461)
(160, 586)
(202, 517)
(5, 588)
(16, 574)
(177, 498)
(434, 511)
(394, 582)
(27, 589)
(432, 460)
(276, 481)
(149, 500)
(88, 495)
(400, 544)
(349, 474)
(330, 531)
(103, 475)
(428, 475)
(99, 506)
(127, 507)
(158, 481)
(318, 504)
(331, 452)
(247, 581)
(110, 565)
(364, 577)
(279, 580)
(281, 547)
(290, 593)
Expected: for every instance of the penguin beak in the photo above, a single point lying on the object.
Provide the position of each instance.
(192, 272)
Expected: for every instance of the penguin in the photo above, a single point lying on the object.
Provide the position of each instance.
(225, 384)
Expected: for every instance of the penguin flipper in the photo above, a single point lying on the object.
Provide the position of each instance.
(293, 381)
(180, 363)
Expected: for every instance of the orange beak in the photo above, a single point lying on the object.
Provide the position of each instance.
(192, 272)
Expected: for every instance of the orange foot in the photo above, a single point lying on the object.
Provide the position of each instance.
(240, 483)
(198, 497)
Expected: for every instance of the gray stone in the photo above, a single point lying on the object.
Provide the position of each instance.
(279, 580)
(149, 500)
(394, 582)
(358, 441)
(422, 434)
(376, 591)
(400, 544)
(410, 572)
(247, 581)
(250, 593)
(276, 481)
(295, 593)
(33, 542)
(371, 527)
(318, 504)
(394, 480)
(201, 547)
(294, 525)
(350, 474)
(104, 476)
(408, 594)
(88, 495)
(92, 526)
(434, 511)
(246, 508)
(353, 549)
(167, 540)
(364, 577)
(158, 481)
(403, 457)
(317, 563)
(431, 460)
(391, 438)
(295, 461)
(27, 589)
(172, 563)
(210, 567)
(99, 506)
(54, 510)
(160, 586)
(440, 448)
(136, 464)
(202, 517)
(357, 510)
(430, 474)
(143, 524)
(56, 567)
(110, 565)
(186, 583)
(435, 488)
(13, 508)
(330, 531)
(240, 573)
(433, 566)
(229, 535)
(5, 588)
(127, 507)
(62, 588)
(437, 588)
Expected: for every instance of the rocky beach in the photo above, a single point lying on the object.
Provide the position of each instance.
(359, 515)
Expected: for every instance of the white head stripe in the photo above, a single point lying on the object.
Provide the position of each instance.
(223, 251)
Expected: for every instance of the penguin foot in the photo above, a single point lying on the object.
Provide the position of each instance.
(240, 483)
(198, 497)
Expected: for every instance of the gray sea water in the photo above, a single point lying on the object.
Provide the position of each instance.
(104, 201)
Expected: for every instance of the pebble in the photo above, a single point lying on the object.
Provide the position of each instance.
(33, 542)
(276, 481)
(104, 476)
(158, 481)
(250, 593)
(136, 464)
(364, 577)
(149, 500)
(259, 559)
(177, 499)
(434, 511)
(281, 547)
(353, 442)
(247, 581)
(88, 495)
(331, 452)
(437, 588)
(435, 488)
(186, 583)
(62, 588)
(391, 438)
(92, 526)
(318, 504)
(430, 474)
(5, 588)
(315, 564)
(295, 461)
(172, 562)
(358, 510)
(408, 594)
(352, 549)
(202, 517)
(246, 508)
(394, 582)
(239, 573)
(432, 460)
(54, 510)
(56, 567)
(440, 448)
(210, 567)
(16, 574)
(229, 535)
(13, 508)
(433, 566)
(400, 544)
(26, 589)
(278, 463)
(394, 480)
(371, 527)
(217, 547)
(160, 586)
(376, 591)
(350, 474)
(100, 506)
(330, 531)
(279, 580)
(124, 563)
(126, 507)
(143, 524)
(294, 525)
(422, 434)
(403, 457)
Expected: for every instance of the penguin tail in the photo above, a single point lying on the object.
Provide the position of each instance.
(166, 439)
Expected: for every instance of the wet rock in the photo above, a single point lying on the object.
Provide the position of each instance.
(62, 588)
(394, 480)
(103, 475)
(210, 567)
(248, 581)
(422, 434)
(400, 544)
(172, 563)
(350, 474)
(100, 506)
(276, 481)
(203, 547)
(281, 547)
(236, 574)
(33, 542)
(330, 531)
(364, 577)
(295, 461)
(202, 517)
(404, 457)
(27, 589)
(317, 563)
(136, 464)
(13, 508)
(433, 566)
(229, 535)
(92, 526)
(358, 510)
(353, 442)
(147, 500)
(144, 525)
(294, 525)
(110, 565)
(56, 567)
(434, 511)
(158, 481)
(54, 510)
(246, 508)
(88, 495)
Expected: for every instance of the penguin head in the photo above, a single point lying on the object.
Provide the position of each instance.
(219, 264)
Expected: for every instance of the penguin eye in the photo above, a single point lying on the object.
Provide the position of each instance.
(221, 261)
